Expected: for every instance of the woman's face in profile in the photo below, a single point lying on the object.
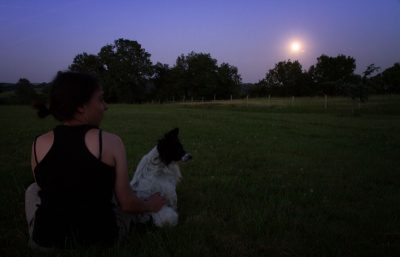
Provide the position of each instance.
(95, 108)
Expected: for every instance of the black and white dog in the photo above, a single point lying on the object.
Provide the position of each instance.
(158, 171)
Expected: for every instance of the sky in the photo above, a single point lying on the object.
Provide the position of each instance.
(41, 37)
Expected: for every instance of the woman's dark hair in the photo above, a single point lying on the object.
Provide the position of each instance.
(69, 90)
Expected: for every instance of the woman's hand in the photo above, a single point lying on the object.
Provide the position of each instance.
(155, 202)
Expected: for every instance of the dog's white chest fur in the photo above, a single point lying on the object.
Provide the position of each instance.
(152, 176)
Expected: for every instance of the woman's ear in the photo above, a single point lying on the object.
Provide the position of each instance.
(81, 109)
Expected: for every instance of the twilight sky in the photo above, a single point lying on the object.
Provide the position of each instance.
(39, 38)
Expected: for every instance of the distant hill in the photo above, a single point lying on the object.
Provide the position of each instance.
(4, 87)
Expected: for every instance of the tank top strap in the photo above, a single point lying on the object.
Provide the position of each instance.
(100, 144)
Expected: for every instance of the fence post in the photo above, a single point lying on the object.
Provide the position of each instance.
(247, 100)
(326, 102)
(214, 97)
(231, 98)
(269, 99)
(292, 103)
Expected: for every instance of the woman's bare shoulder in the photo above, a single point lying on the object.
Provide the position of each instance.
(45, 138)
(111, 138)
(106, 136)
(41, 147)
(113, 144)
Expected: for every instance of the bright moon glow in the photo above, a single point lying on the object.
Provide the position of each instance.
(296, 47)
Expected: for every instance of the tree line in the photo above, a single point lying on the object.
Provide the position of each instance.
(127, 75)
(333, 76)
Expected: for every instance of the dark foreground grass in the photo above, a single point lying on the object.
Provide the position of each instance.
(265, 180)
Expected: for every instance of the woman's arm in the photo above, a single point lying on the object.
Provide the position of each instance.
(127, 199)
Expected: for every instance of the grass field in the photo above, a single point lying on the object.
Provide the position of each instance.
(276, 178)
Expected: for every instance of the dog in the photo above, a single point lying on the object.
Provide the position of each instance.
(158, 171)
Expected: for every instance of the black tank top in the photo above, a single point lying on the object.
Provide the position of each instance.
(76, 193)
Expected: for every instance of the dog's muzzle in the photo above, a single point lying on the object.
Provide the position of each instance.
(187, 157)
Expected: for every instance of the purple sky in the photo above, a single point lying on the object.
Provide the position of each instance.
(39, 38)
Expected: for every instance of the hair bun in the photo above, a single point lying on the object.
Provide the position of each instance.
(42, 110)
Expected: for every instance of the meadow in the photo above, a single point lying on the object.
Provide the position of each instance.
(269, 177)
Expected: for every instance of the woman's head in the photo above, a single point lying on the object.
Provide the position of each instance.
(75, 96)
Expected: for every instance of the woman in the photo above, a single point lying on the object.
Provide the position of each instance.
(78, 169)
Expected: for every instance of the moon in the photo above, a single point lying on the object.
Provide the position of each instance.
(296, 47)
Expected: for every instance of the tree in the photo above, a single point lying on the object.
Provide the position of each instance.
(87, 63)
(197, 75)
(164, 87)
(181, 84)
(202, 75)
(258, 89)
(128, 68)
(229, 81)
(391, 79)
(25, 92)
(286, 79)
(124, 69)
(332, 73)
(370, 70)
(366, 83)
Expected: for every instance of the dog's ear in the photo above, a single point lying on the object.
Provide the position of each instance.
(173, 133)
